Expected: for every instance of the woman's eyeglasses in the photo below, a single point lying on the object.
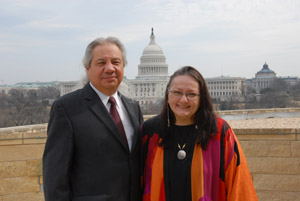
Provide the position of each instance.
(179, 94)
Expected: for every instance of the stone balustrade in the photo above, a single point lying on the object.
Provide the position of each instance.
(21, 150)
(272, 151)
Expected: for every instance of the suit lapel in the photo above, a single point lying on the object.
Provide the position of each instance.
(129, 106)
(99, 109)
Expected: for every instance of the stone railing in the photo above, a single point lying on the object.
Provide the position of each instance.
(273, 156)
(21, 150)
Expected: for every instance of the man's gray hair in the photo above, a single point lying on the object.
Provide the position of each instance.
(101, 41)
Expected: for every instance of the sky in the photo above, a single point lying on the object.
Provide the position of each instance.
(44, 40)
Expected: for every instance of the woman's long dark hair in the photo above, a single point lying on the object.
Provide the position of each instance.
(205, 117)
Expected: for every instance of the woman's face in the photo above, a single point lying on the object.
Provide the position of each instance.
(184, 99)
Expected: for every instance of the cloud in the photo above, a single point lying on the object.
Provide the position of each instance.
(49, 24)
(126, 33)
(243, 15)
(207, 32)
(245, 24)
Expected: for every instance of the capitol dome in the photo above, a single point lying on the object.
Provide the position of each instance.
(152, 48)
(153, 60)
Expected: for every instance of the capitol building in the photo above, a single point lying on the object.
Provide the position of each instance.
(148, 88)
(150, 84)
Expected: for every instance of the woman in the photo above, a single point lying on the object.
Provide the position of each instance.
(190, 154)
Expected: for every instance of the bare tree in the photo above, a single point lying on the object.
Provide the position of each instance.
(295, 91)
(274, 99)
(48, 93)
(153, 108)
(276, 96)
(22, 107)
(279, 84)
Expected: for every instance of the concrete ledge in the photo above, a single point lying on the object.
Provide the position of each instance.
(30, 134)
(278, 196)
(286, 183)
(26, 128)
(12, 169)
(266, 148)
(21, 152)
(271, 146)
(266, 137)
(272, 165)
(295, 148)
(19, 185)
(11, 138)
(34, 196)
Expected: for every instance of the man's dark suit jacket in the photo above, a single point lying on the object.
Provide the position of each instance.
(85, 158)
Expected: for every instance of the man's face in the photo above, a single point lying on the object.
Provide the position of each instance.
(106, 70)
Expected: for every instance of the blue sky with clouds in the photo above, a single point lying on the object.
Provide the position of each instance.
(44, 40)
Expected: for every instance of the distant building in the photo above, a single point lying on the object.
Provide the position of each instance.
(263, 79)
(150, 84)
(68, 86)
(224, 88)
(36, 85)
(291, 80)
(4, 89)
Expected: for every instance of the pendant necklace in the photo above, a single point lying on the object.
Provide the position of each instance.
(181, 154)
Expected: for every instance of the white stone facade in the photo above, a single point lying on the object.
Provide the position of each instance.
(225, 88)
(69, 86)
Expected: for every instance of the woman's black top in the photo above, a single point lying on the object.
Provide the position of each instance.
(179, 171)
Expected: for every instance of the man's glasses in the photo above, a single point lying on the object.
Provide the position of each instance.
(179, 94)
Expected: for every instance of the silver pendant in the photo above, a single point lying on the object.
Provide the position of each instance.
(181, 154)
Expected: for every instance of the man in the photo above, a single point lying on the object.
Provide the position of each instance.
(86, 157)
